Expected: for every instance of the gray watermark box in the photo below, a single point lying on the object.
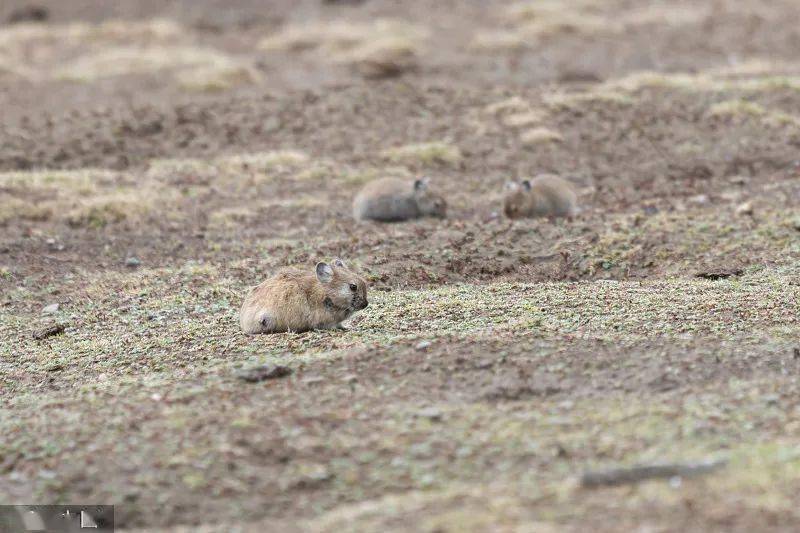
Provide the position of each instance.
(56, 518)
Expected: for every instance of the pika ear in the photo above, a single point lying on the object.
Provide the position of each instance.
(339, 263)
(526, 184)
(324, 272)
(421, 184)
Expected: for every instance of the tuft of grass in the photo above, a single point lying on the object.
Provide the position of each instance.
(261, 167)
(664, 15)
(640, 80)
(332, 35)
(12, 209)
(563, 100)
(277, 160)
(111, 48)
(182, 171)
(218, 77)
(515, 104)
(494, 41)
(523, 119)
(16, 69)
(84, 198)
(737, 108)
(102, 210)
(231, 217)
(780, 119)
(67, 182)
(574, 23)
(302, 201)
(243, 169)
(348, 175)
(152, 30)
(21, 36)
(382, 58)
(546, 18)
(428, 154)
(742, 109)
(714, 80)
(765, 84)
(527, 11)
(538, 136)
(339, 36)
(751, 67)
(378, 49)
(129, 59)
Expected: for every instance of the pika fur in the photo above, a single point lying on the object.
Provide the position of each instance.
(395, 200)
(545, 195)
(295, 300)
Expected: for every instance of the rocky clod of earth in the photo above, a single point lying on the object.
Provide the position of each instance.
(722, 273)
(49, 331)
(30, 13)
(637, 474)
(263, 373)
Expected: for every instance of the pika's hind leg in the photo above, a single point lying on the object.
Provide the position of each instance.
(337, 326)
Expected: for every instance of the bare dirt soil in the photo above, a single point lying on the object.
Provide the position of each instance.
(158, 158)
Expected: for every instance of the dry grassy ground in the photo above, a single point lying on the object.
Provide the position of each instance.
(157, 161)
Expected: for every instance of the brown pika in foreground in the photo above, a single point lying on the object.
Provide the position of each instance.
(296, 300)
(395, 200)
(546, 195)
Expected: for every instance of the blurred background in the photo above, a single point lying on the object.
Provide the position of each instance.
(81, 52)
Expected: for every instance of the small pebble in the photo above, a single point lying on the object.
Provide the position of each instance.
(423, 345)
(745, 209)
(772, 399)
(431, 413)
(55, 245)
(132, 262)
(50, 309)
(47, 474)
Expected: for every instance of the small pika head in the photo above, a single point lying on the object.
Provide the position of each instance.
(345, 290)
(515, 198)
(429, 203)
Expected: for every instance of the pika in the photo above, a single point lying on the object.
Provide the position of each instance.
(295, 300)
(546, 195)
(395, 200)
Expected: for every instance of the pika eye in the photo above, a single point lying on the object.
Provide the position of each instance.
(353, 287)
